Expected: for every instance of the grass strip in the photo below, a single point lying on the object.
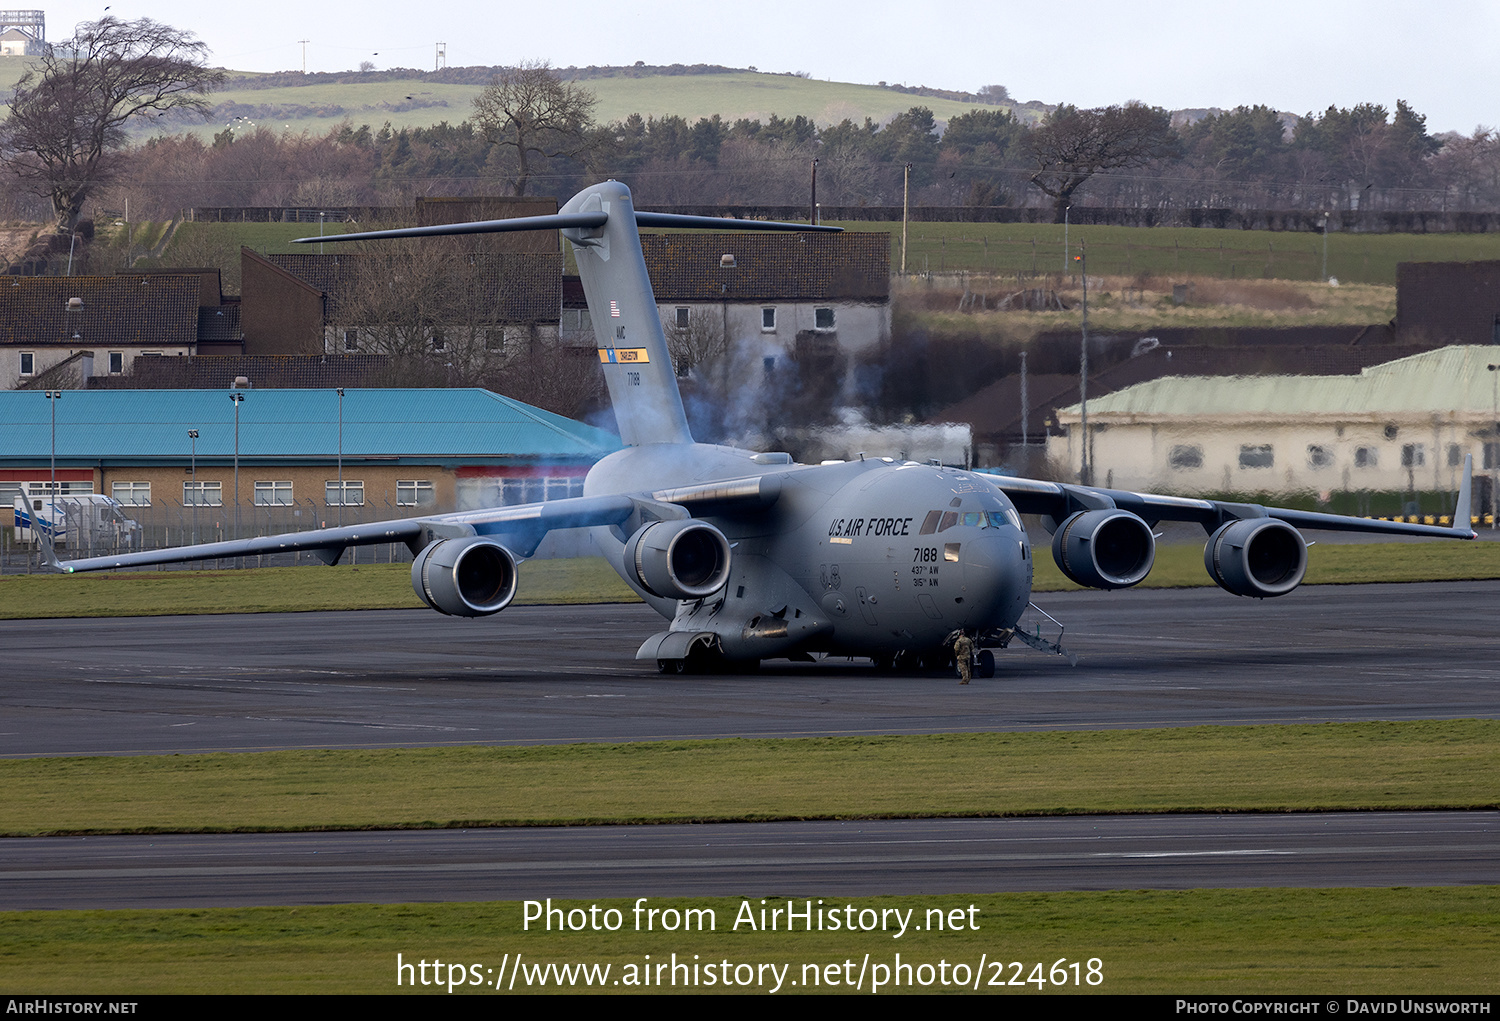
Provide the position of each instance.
(1340, 941)
(1335, 766)
(282, 590)
(590, 580)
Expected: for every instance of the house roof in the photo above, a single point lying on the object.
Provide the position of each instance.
(853, 265)
(218, 372)
(519, 287)
(139, 427)
(1443, 382)
(155, 310)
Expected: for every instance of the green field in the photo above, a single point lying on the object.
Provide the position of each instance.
(1325, 767)
(1202, 942)
(1003, 249)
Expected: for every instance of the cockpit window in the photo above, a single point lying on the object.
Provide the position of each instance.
(974, 518)
(930, 525)
(950, 518)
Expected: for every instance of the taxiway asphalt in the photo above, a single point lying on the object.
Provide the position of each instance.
(797, 859)
(558, 674)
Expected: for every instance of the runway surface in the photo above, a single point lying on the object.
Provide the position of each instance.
(554, 674)
(827, 860)
(557, 674)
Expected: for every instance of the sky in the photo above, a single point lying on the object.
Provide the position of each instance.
(1295, 56)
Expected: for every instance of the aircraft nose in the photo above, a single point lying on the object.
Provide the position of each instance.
(997, 578)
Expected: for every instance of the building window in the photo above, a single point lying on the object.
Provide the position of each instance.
(494, 339)
(203, 494)
(273, 494)
(1366, 457)
(823, 319)
(132, 494)
(1256, 455)
(351, 340)
(1186, 457)
(1413, 455)
(414, 493)
(354, 494)
(768, 320)
(1319, 457)
(1491, 456)
(116, 362)
(682, 317)
(439, 341)
(1455, 455)
(28, 363)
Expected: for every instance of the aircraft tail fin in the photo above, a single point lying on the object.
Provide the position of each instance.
(601, 224)
(1463, 520)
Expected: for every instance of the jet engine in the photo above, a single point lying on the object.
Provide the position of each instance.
(469, 577)
(1258, 557)
(1104, 548)
(682, 559)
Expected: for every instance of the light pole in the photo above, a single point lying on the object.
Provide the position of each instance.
(53, 396)
(1325, 247)
(1494, 446)
(238, 398)
(1067, 212)
(1083, 363)
(812, 210)
(193, 436)
(905, 210)
(340, 392)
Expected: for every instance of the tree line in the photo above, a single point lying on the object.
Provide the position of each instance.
(532, 131)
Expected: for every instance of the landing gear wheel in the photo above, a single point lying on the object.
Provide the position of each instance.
(883, 664)
(670, 666)
(985, 667)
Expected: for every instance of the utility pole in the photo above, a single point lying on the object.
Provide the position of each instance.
(1025, 412)
(1083, 364)
(905, 211)
(812, 210)
(304, 43)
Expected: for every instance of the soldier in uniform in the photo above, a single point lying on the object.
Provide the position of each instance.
(963, 652)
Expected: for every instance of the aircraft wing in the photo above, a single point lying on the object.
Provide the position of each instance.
(1060, 500)
(519, 528)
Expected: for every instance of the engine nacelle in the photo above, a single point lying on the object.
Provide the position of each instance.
(1259, 557)
(470, 577)
(682, 559)
(1104, 548)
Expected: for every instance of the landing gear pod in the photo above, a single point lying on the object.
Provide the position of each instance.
(682, 559)
(1259, 557)
(1104, 548)
(470, 577)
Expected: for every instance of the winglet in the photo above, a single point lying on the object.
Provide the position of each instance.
(1462, 519)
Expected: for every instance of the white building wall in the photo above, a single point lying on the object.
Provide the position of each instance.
(1305, 456)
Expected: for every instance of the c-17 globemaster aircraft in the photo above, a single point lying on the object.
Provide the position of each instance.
(749, 556)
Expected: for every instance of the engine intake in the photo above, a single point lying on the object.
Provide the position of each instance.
(682, 559)
(1104, 548)
(1259, 557)
(471, 577)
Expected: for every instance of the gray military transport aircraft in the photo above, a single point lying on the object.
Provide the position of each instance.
(750, 556)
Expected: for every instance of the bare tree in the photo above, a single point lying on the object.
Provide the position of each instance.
(532, 111)
(1073, 145)
(67, 123)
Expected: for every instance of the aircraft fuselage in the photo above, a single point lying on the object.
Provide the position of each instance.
(864, 557)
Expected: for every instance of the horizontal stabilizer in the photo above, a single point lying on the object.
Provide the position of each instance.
(564, 221)
(645, 219)
(554, 221)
